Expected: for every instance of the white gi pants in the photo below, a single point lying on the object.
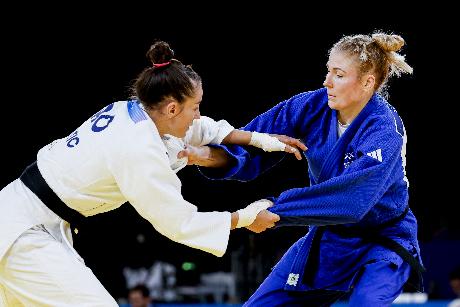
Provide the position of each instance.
(41, 268)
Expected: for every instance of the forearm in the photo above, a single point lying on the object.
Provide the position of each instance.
(238, 137)
(343, 199)
(234, 222)
(210, 157)
(266, 141)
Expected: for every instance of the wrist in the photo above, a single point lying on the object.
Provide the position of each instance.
(266, 142)
(246, 216)
(217, 157)
(205, 154)
(234, 220)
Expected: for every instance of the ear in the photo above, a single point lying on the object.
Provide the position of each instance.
(369, 82)
(172, 108)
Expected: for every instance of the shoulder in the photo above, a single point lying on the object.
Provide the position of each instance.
(135, 130)
(311, 100)
(318, 95)
(383, 123)
(387, 117)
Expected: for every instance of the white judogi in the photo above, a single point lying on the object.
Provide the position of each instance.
(203, 131)
(114, 157)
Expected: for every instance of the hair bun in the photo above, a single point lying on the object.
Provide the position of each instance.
(160, 52)
(388, 42)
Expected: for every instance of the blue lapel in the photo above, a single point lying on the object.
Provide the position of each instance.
(332, 162)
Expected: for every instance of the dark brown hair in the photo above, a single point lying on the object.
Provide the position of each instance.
(170, 79)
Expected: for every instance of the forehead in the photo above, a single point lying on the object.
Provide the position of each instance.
(341, 60)
(199, 91)
(196, 97)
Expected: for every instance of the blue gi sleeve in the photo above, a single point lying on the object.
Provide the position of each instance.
(348, 197)
(248, 162)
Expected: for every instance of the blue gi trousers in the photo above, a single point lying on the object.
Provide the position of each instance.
(379, 285)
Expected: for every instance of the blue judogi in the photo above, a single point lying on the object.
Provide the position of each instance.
(357, 180)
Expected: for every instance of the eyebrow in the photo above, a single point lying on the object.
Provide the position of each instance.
(336, 68)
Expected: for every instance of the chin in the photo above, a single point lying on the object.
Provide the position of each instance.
(179, 135)
(182, 134)
(333, 105)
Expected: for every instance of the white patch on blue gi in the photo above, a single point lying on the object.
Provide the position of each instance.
(292, 279)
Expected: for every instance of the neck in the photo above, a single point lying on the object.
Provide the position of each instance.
(346, 116)
(159, 121)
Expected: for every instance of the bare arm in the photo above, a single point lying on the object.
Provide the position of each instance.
(241, 137)
(238, 137)
(234, 220)
(205, 156)
(216, 157)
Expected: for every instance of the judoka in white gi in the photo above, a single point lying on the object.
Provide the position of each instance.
(116, 156)
(362, 238)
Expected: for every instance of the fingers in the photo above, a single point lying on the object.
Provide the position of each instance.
(272, 218)
(275, 217)
(195, 155)
(295, 143)
(293, 151)
(265, 220)
(182, 154)
(291, 141)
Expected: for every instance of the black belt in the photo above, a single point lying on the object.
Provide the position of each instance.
(370, 235)
(32, 179)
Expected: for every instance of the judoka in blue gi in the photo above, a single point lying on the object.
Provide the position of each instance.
(362, 239)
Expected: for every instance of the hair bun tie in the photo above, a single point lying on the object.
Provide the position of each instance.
(161, 64)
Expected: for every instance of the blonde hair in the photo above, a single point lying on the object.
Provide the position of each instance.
(376, 53)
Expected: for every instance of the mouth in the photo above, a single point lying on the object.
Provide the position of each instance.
(329, 96)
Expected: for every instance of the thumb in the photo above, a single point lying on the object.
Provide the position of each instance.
(182, 154)
(275, 216)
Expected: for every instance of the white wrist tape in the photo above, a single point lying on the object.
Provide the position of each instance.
(247, 215)
(266, 142)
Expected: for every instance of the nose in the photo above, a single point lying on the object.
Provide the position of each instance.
(327, 81)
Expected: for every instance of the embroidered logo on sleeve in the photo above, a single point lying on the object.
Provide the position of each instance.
(376, 154)
(292, 279)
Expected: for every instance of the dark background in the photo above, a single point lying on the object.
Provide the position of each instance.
(62, 64)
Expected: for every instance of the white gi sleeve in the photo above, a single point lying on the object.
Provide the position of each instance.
(205, 131)
(174, 145)
(202, 132)
(143, 174)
